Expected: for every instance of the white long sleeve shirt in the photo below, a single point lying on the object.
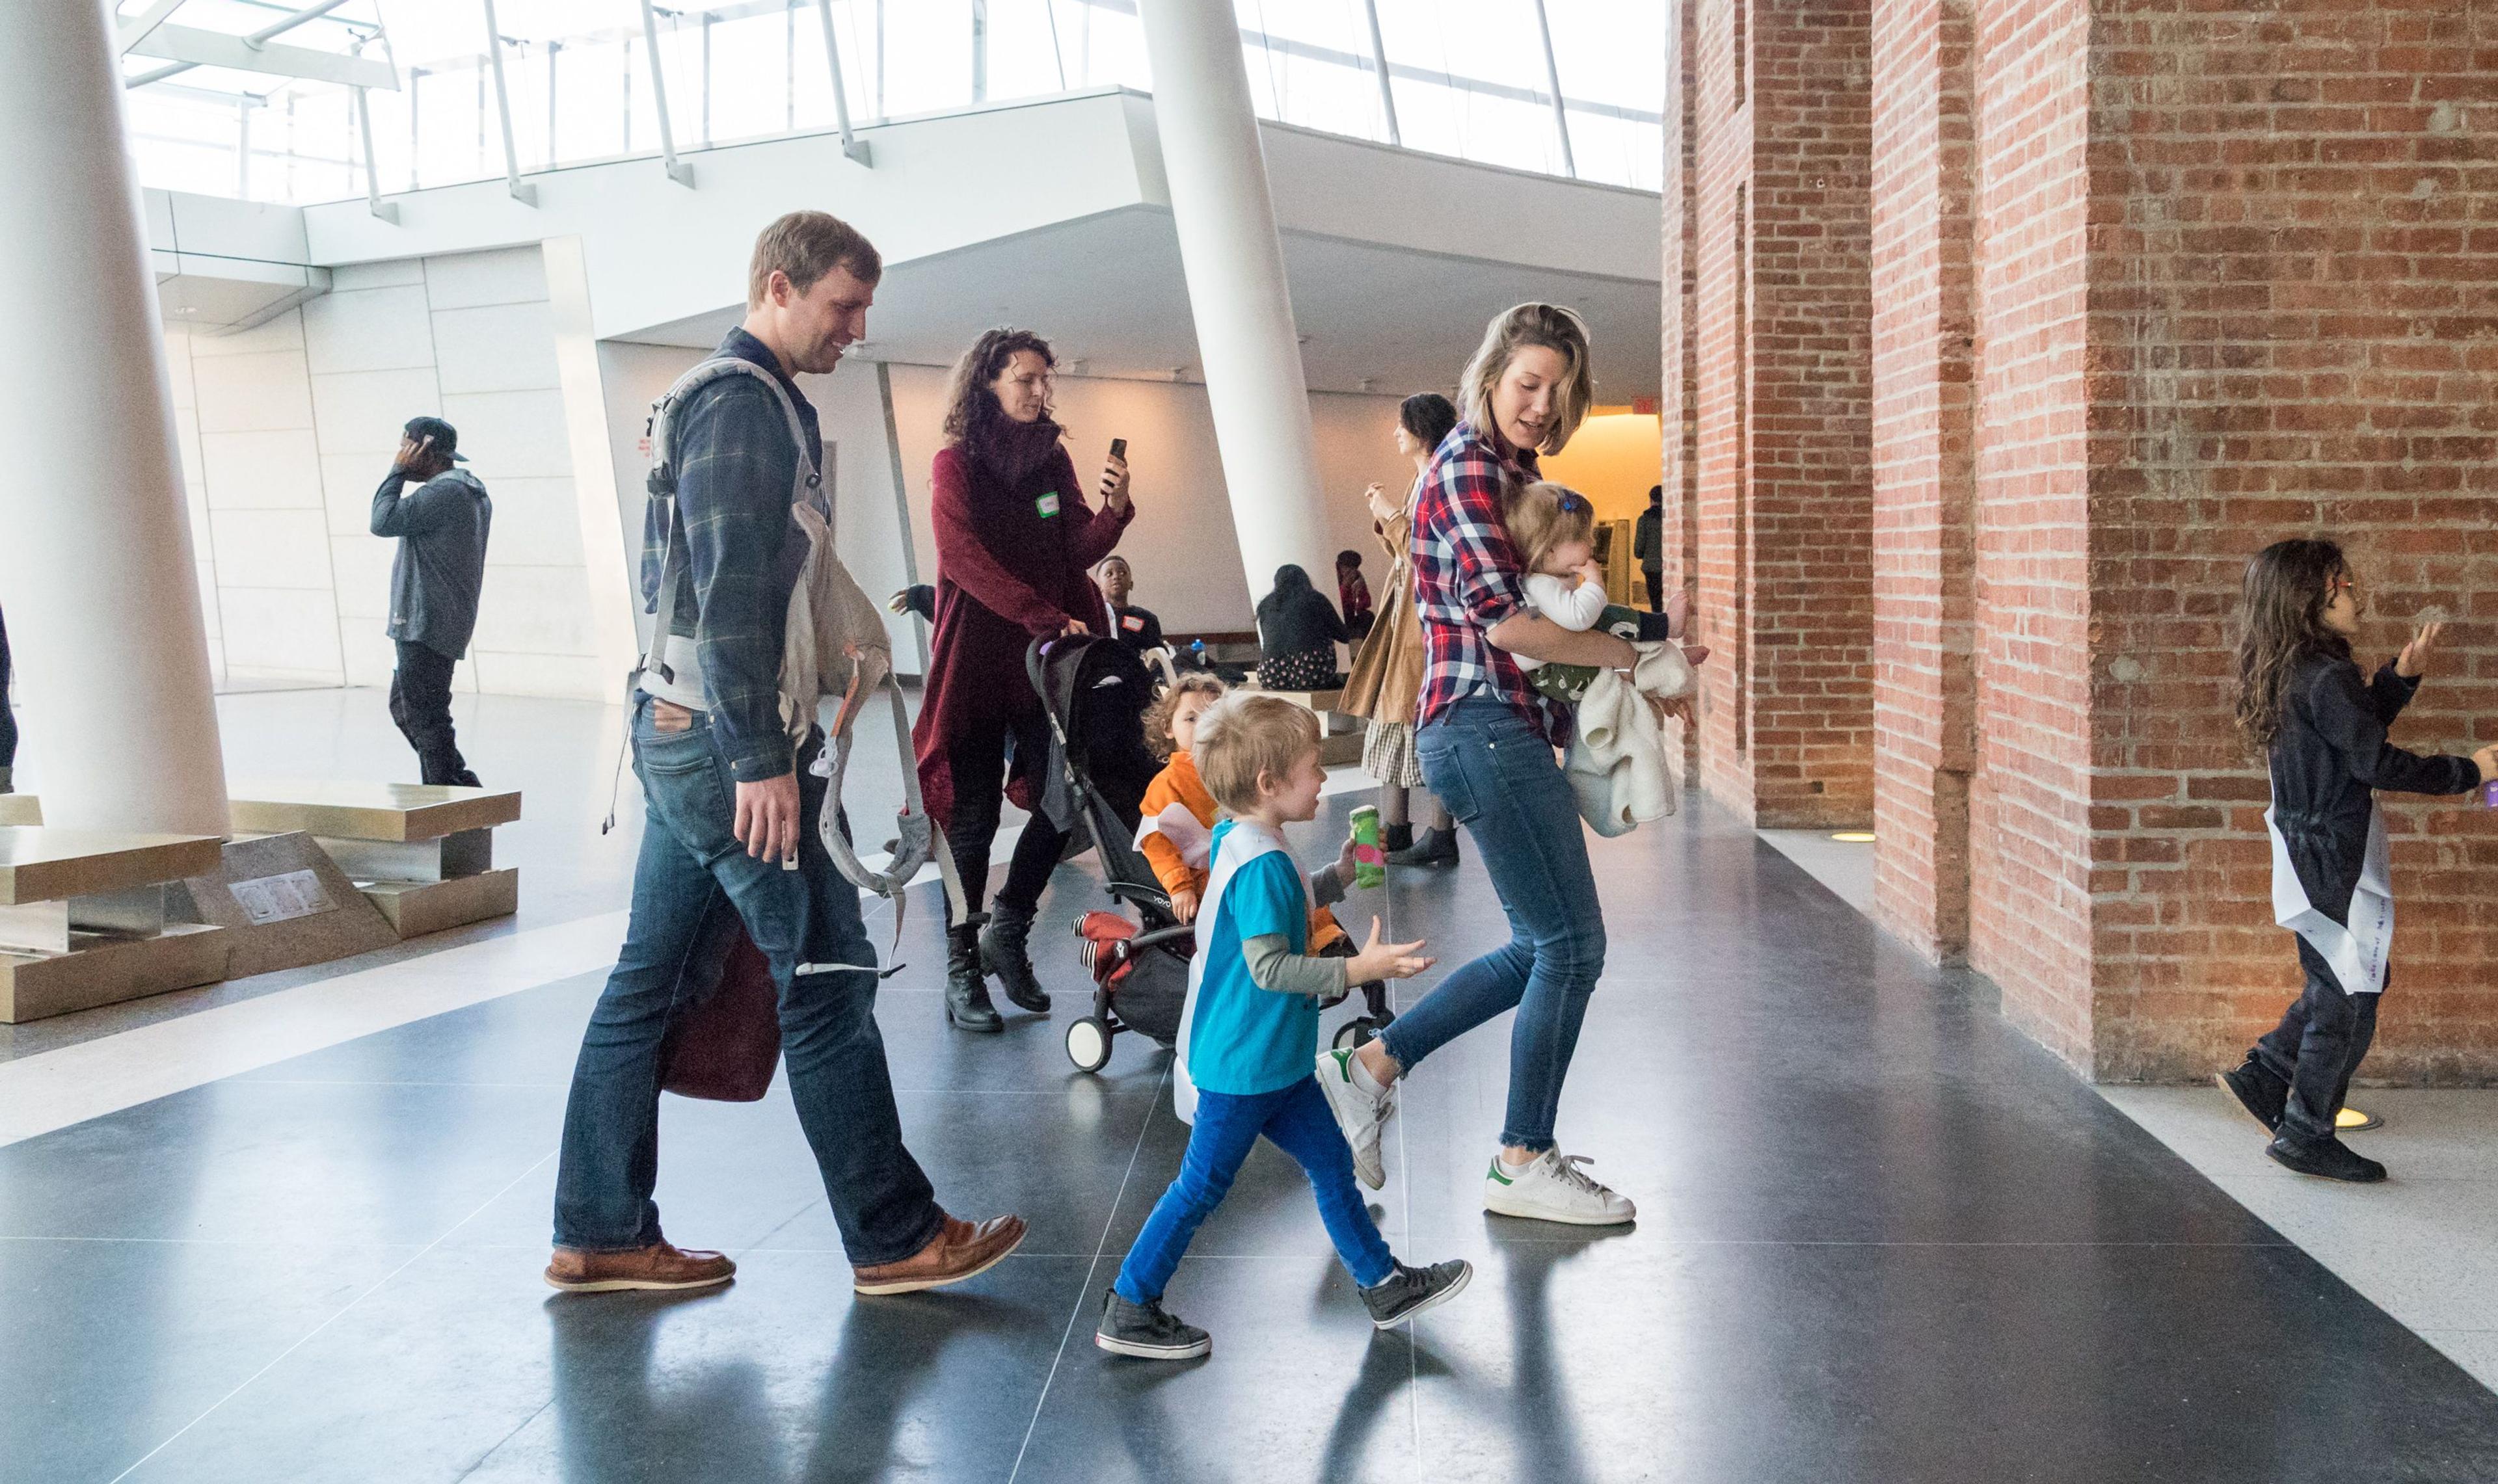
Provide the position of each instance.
(1567, 601)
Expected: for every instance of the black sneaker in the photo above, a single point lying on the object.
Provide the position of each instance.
(1146, 1332)
(1408, 1292)
(2331, 1159)
(2257, 1090)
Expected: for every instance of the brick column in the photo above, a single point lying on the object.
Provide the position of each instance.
(2294, 330)
(1680, 474)
(1924, 536)
(1783, 486)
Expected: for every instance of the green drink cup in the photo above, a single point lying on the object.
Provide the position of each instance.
(1369, 861)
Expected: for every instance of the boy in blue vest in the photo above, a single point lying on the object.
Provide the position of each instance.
(1248, 1031)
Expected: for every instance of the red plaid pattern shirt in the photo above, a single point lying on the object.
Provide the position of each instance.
(1467, 578)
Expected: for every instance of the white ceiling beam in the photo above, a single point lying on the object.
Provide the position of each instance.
(189, 48)
(138, 29)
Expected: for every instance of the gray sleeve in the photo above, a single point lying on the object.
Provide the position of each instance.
(1327, 886)
(1273, 965)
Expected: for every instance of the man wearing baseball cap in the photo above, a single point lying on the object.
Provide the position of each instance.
(435, 582)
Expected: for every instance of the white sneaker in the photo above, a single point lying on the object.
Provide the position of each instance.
(1358, 1113)
(1554, 1188)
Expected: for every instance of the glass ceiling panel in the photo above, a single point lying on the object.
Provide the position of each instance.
(1468, 79)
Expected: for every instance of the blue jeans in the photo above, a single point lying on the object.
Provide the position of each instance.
(1501, 781)
(692, 865)
(1297, 1120)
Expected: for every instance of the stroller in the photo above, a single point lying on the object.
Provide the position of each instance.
(1095, 693)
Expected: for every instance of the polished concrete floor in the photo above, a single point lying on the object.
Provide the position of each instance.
(1883, 1239)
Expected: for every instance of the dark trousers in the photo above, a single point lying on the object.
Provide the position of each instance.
(806, 924)
(1655, 580)
(420, 702)
(2316, 1047)
(978, 762)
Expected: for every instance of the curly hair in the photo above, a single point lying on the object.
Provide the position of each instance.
(2280, 612)
(971, 410)
(1158, 716)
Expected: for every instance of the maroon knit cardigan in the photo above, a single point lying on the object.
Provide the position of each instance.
(1008, 572)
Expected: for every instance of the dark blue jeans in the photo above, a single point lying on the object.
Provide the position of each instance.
(1298, 1122)
(691, 862)
(1502, 782)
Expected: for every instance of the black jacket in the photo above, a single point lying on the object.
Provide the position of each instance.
(1296, 619)
(440, 567)
(2330, 755)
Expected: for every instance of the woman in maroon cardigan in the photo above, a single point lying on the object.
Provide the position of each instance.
(1014, 542)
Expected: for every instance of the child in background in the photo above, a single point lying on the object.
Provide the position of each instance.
(1353, 596)
(1250, 1027)
(2302, 704)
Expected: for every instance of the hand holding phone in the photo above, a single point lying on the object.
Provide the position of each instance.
(1114, 475)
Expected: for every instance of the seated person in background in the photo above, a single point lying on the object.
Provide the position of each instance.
(1297, 632)
(1352, 594)
(1135, 627)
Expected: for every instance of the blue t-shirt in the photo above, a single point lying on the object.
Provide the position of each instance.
(1245, 1040)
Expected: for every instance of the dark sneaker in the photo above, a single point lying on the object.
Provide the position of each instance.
(1147, 1332)
(2257, 1090)
(1408, 1292)
(2331, 1159)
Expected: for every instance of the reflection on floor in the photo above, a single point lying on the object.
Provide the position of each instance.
(1883, 1239)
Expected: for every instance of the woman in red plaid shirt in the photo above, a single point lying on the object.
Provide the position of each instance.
(1486, 739)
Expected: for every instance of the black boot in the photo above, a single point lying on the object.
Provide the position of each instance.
(967, 993)
(1395, 837)
(2257, 1090)
(1432, 847)
(1003, 953)
(2331, 1159)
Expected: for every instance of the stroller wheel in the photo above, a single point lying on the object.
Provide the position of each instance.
(1353, 1033)
(1088, 1045)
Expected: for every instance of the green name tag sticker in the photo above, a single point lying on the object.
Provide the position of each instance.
(1047, 504)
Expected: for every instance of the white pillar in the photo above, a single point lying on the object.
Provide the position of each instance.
(1252, 353)
(95, 545)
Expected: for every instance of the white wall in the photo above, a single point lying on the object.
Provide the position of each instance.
(287, 428)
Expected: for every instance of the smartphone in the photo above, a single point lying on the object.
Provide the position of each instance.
(1118, 448)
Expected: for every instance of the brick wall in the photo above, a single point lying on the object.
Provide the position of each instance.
(1782, 443)
(1680, 476)
(2295, 330)
(1924, 539)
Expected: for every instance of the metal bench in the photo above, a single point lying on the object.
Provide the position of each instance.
(84, 922)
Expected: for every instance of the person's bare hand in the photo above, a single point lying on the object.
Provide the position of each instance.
(2414, 656)
(1590, 573)
(1670, 708)
(1346, 860)
(411, 449)
(1114, 483)
(1076, 626)
(2486, 760)
(1184, 904)
(1375, 495)
(1385, 961)
(767, 817)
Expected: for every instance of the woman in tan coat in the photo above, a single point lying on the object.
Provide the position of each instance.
(1386, 674)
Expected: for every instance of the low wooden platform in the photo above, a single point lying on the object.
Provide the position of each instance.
(41, 864)
(82, 914)
(368, 811)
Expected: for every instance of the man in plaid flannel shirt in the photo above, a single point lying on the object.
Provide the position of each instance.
(726, 796)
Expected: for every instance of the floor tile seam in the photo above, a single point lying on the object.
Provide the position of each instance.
(1077, 1315)
(343, 1310)
(487, 1457)
(250, 1242)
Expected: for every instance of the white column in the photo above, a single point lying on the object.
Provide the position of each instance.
(95, 544)
(1234, 260)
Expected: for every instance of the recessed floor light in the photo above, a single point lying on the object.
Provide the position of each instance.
(1854, 836)
(2351, 1120)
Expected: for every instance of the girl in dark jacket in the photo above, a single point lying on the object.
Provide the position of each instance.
(1015, 540)
(1297, 632)
(2302, 703)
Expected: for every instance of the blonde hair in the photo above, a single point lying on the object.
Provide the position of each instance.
(803, 246)
(1557, 328)
(1244, 735)
(1158, 716)
(1543, 516)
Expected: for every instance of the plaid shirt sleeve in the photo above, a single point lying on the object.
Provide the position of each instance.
(1467, 581)
(737, 465)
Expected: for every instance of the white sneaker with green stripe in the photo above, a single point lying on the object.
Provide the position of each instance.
(1358, 1112)
(1554, 1188)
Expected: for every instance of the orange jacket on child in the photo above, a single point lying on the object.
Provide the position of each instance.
(1178, 783)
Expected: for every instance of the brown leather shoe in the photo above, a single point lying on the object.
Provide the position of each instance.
(656, 1266)
(960, 1250)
